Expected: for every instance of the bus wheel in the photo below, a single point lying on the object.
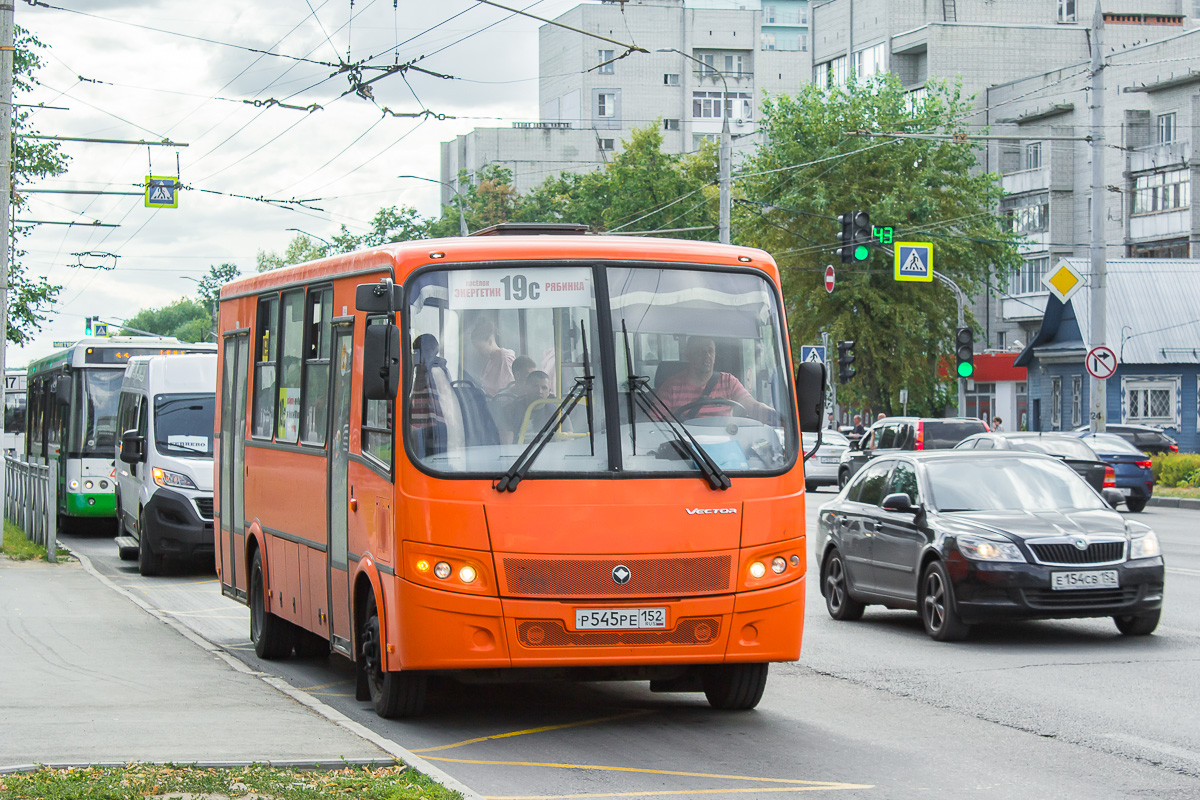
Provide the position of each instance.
(148, 563)
(735, 687)
(272, 636)
(394, 694)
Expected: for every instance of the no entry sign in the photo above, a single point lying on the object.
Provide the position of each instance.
(829, 279)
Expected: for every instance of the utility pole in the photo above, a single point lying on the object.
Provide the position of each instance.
(1099, 303)
(7, 48)
(830, 381)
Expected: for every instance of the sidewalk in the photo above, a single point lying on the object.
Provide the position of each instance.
(89, 677)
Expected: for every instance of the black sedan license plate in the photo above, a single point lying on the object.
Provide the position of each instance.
(619, 618)
(1091, 579)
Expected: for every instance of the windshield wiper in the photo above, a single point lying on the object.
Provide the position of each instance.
(582, 389)
(639, 387)
(184, 447)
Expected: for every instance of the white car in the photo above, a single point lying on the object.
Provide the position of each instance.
(822, 468)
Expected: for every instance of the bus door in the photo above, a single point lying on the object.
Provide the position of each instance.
(340, 608)
(232, 541)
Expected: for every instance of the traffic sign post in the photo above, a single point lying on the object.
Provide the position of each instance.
(812, 354)
(829, 279)
(914, 261)
(1101, 362)
(162, 192)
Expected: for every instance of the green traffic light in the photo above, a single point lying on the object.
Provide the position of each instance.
(965, 369)
(862, 252)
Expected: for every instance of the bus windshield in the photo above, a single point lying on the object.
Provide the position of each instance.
(494, 351)
(183, 424)
(96, 421)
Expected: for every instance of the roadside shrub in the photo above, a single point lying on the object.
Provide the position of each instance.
(1176, 469)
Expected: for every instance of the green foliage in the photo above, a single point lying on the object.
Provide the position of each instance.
(489, 200)
(1176, 469)
(211, 283)
(810, 170)
(29, 298)
(389, 224)
(299, 250)
(186, 319)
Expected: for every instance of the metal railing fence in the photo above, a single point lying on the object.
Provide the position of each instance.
(31, 501)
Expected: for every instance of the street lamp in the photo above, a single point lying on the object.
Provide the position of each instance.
(726, 155)
(462, 219)
(311, 235)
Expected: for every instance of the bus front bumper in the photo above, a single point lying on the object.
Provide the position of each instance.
(449, 630)
(90, 504)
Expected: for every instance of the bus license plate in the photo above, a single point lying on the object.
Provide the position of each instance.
(619, 618)
(1095, 579)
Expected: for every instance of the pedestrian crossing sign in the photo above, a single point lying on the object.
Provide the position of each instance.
(162, 192)
(914, 261)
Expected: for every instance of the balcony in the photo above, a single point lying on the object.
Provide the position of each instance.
(1024, 307)
(1026, 180)
(1157, 156)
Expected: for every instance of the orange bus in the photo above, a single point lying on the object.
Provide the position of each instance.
(530, 453)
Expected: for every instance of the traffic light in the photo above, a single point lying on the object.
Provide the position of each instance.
(87, 326)
(964, 351)
(845, 249)
(845, 359)
(861, 237)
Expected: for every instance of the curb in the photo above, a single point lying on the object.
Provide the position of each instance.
(303, 698)
(1191, 503)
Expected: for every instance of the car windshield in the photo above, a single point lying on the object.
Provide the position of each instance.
(983, 483)
(1060, 446)
(183, 424)
(1110, 443)
(96, 419)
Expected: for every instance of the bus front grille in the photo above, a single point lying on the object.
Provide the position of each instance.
(552, 633)
(560, 577)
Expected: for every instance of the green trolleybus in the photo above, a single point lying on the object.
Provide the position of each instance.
(71, 415)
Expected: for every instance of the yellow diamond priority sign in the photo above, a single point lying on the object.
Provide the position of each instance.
(1063, 281)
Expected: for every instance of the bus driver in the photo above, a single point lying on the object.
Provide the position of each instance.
(699, 382)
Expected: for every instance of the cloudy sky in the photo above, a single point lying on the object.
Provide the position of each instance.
(181, 70)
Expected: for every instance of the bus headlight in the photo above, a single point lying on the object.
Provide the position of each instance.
(758, 569)
(74, 486)
(88, 484)
(442, 570)
(778, 564)
(467, 574)
(176, 480)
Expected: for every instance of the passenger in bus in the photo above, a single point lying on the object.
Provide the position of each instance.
(699, 382)
(536, 387)
(427, 423)
(497, 361)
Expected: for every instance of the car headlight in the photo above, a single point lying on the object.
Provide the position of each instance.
(1144, 545)
(982, 549)
(167, 478)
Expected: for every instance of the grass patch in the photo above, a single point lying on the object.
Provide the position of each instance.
(136, 781)
(1177, 491)
(18, 547)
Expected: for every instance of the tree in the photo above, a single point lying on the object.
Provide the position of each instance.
(809, 171)
(299, 250)
(217, 276)
(389, 224)
(186, 319)
(29, 299)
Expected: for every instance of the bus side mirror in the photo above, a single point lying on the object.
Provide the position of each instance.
(373, 297)
(62, 391)
(133, 447)
(810, 395)
(381, 362)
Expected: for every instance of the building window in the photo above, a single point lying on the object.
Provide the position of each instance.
(733, 65)
(1166, 128)
(1174, 248)
(1028, 278)
(1162, 191)
(707, 68)
(803, 41)
(1151, 401)
(1028, 214)
(1033, 155)
(607, 144)
(831, 73)
(768, 41)
(606, 104)
(606, 62)
(1076, 401)
(1000, 340)
(671, 79)
(698, 140)
(1066, 10)
(707, 105)
(1056, 404)
(869, 62)
(769, 14)
(670, 124)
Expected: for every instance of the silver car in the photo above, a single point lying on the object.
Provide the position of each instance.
(822, 468)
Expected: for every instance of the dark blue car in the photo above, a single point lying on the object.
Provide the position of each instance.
(1134, 477)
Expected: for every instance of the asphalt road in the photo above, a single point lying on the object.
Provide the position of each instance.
(872, 709)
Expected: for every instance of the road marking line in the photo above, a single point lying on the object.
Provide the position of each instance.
(795, 785)
(542, 729)
(689, 792)
(1195, 573)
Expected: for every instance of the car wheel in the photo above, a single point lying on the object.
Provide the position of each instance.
(838, 602)
(148, 563)
(936, 602)
(1136, 504)
(394, 694)
(1139, 624)
(735, 687)
(843, 478)
(809, 486)
(272, 636)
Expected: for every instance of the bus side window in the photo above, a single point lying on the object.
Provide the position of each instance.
(291, 350)
(264, 367)
(377, 421)
(316, 366)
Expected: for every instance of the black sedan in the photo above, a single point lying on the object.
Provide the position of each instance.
(1065, 446)
(966, 537)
